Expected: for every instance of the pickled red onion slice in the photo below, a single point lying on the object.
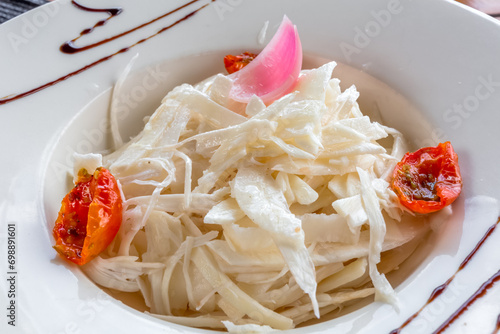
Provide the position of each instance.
(274, 72)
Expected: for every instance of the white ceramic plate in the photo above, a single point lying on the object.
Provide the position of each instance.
(439, 55)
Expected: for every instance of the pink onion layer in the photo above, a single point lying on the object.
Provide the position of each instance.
(274, 72)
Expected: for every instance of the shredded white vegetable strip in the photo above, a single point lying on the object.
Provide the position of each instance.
(384, 291)
(115, 132)
(234, 295)
(261, 223)
(262, 201)
(246, 329)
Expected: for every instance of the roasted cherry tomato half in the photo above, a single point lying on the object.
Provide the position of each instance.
(428, 179)
(236, 63)
(90, 216)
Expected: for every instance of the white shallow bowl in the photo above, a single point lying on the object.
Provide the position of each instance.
(439, 58)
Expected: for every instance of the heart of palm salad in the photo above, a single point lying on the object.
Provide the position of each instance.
(256, 200)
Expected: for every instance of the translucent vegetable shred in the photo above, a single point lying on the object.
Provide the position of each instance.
(258, 216)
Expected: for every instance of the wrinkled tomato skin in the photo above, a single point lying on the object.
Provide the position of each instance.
(90, 217)
(236, 63)
(428, 179)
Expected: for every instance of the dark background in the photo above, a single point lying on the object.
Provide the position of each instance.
(11, 8)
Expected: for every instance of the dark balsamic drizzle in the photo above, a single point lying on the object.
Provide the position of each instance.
(12, 97)
(478, 294)
(440, 289)
(69, 47)
(497, 328)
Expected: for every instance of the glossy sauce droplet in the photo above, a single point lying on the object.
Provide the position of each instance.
(69, 47)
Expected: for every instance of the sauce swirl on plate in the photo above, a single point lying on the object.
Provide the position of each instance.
(70, 48)
(440, 289)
